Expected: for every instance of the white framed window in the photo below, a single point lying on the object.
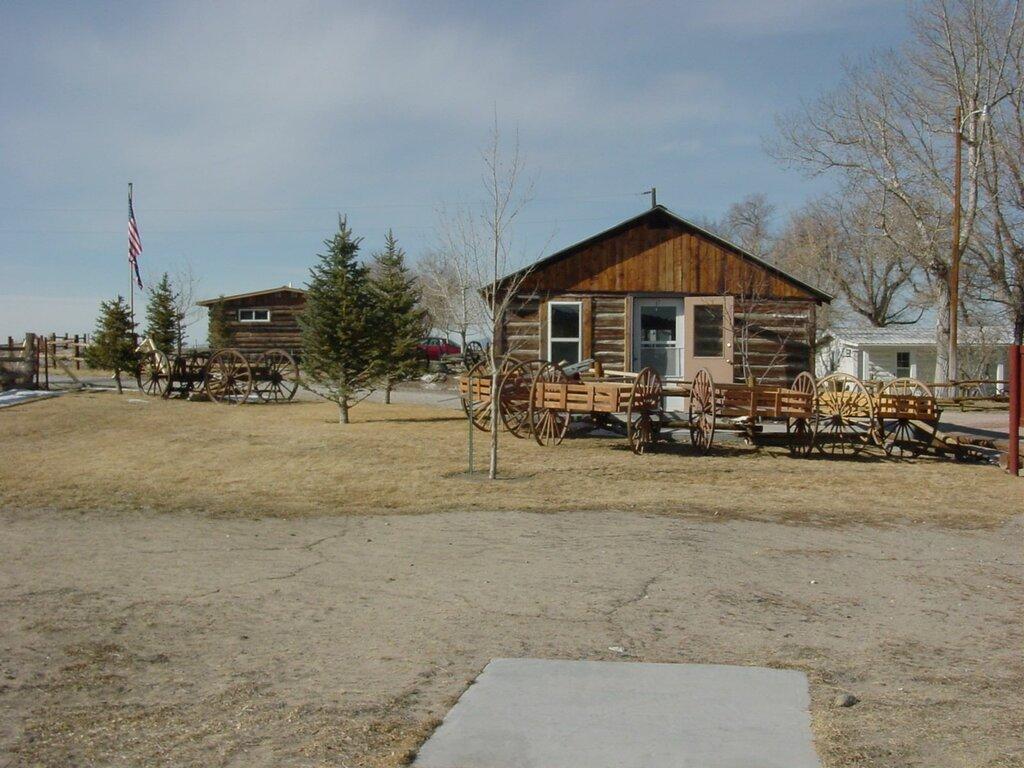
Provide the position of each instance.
(903, 367)
(565, 319)
(254, 315)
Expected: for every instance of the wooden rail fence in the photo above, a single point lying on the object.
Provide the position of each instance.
(27, 362)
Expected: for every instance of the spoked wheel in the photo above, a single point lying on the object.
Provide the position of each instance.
(477, 401)
(800, 429)
(645, 398)
(228, 377)
(906, 417)
(703, 411)
(548, 425)
(191, 371)
(277, 377)
(154, 376)
(473, 355)
(515, 389)
(844, 419)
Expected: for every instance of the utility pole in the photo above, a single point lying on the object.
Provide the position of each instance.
(954, 266)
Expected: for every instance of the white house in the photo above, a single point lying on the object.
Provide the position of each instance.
(909, 351)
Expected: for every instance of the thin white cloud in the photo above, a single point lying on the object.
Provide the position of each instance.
(230, 98)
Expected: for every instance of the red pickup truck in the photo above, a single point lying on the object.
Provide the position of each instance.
(434, 348)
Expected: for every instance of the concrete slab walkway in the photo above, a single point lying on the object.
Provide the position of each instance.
(535, 713)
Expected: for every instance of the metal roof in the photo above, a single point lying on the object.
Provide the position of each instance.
(921, 335)
(208, 302)
(819, 294)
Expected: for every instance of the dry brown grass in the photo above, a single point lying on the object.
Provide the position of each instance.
(103, 451)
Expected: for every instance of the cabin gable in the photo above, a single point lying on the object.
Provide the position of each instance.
(661, 254)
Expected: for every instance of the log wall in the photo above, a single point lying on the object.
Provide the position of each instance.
(282, 332)
(774, 338)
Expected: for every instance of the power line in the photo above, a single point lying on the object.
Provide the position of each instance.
(321, 230)
(287, 209)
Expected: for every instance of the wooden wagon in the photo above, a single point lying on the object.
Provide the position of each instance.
(538, 398)
(907, 416)
(900, 416)
(224, 375)
(742, 408)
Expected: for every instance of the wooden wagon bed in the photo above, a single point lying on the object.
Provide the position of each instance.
(539, 399)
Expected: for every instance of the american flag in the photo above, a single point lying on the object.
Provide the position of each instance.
(134, 242)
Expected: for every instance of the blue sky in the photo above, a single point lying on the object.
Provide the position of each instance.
(247, 127)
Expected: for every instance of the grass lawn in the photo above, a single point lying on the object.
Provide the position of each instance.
(99, 451)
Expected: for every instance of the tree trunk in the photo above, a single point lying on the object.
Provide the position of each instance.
(492, 472)
(387, 393)
(117, 378)
(343, 411)
(1018, 326)
(942, 372)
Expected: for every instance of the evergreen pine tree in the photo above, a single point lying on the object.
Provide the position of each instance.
(162, 316)
(401, 323)
(217, 330)
(113, 344)
(338, 336)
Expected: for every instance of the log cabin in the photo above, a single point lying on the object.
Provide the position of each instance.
(657, 290)
(261, 320)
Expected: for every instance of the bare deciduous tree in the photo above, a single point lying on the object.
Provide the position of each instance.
(854, 259)
(186, 289)
(889, 130)
(748, 223)
(481, 241)
(997, 254)
(450, 293)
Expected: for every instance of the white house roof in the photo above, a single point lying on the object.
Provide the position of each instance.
(911, 335)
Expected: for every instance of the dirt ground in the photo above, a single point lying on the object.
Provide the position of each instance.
(189, 640)
(186, 584)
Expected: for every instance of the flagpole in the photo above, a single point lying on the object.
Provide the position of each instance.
(131, 269)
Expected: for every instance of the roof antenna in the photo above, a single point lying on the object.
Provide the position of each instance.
(653, 192)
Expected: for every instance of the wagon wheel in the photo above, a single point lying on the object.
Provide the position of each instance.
(479, 411)
(905, 438)
(193, 370)
(844, 415)
(644, 400)
(277, 378)
(228, 377)
(703, 411)
(548, 425)
(154, 376)
(514, 405)
(800, 430)
(473, 355)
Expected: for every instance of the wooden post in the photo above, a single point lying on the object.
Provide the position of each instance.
(46, 363)
(30, 354)
(77, 364)
(1016, 395)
